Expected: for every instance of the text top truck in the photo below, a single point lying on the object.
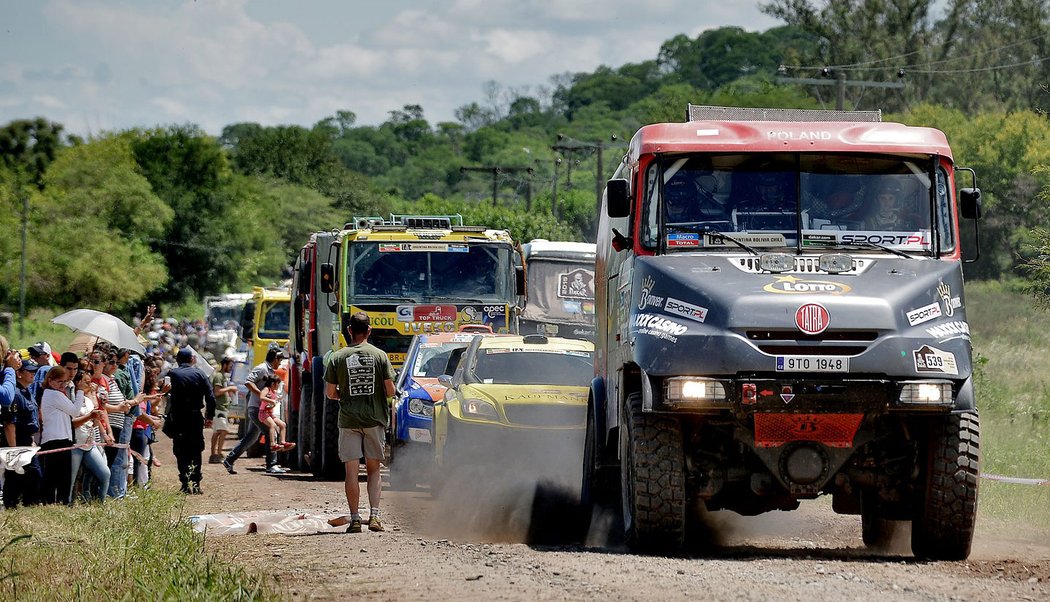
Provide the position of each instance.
(781, 316)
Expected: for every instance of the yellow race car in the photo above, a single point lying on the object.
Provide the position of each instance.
(515, 401)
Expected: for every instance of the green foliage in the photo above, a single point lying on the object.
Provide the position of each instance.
(523, 225)
(28, 146)
(141, 547)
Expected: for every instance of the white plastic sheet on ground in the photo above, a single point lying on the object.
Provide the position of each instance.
(16, 458)
(284, 523)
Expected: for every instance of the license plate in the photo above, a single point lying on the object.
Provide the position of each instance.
(812, 363)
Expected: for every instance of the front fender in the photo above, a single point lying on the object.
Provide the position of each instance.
(597, 401)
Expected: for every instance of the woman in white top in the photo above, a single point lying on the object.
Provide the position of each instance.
(58, 416)
(88, 437)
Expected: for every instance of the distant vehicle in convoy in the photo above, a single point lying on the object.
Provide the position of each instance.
(559, 289)
(429, 357)
(222, 315)
(412, 275)
(781, 316)
(265, 321)
(518, 401)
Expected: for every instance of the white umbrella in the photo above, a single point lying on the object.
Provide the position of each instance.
(104, 326)
(202, 364)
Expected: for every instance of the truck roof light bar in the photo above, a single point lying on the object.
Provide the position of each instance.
(709, 113)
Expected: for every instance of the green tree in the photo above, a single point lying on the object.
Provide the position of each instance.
(91, 228)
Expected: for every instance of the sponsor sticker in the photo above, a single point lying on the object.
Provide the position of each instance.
(577, 284)
(686, 310)
(791, 285)
(683, 239)
(956, 328)
(659, 327)
(812, 318)
(389, 248)
(812, 363)
(950, 303)
(932, 360)
(646, 298)
(427, 313)
(772, 239)
(924, 314)
(888, 239)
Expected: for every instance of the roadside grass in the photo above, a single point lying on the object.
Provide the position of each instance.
(38, 327)
(139, 548)
(1012, 341)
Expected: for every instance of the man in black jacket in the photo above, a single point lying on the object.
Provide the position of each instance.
(190, 393)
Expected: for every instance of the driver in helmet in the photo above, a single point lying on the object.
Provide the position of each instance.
(681, 201)
(771, 193)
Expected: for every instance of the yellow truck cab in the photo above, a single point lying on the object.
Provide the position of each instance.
(265, 321)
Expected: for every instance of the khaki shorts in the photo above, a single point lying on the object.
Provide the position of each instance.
(220, 423)
(357, 443)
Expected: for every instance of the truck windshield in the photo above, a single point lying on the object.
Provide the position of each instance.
(560, 291)
(275, 315)
(433, 359)
(224, 314)
(429, 271)
(797, 200)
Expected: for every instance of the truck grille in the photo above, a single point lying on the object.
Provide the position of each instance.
(545, 415)
(831, 342)
(803, 265)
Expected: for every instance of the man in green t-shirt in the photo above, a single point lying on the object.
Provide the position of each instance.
(220, 426)
(361, 378)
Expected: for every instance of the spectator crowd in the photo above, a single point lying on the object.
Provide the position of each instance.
(91, 417)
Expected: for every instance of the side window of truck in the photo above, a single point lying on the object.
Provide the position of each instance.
(650, 212)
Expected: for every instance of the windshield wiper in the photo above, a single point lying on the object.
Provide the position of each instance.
(869, 245)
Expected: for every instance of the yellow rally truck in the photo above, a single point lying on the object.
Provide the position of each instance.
(414, 275)
(264, 321)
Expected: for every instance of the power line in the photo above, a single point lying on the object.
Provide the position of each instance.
(860, 66)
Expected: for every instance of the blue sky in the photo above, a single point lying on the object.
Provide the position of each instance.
(97, 65)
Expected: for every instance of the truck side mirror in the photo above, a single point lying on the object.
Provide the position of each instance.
(445, 380)
(327, 278)
(519, 280)
(970, 203)
(617, 198)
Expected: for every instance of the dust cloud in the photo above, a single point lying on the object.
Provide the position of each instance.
(523, 490)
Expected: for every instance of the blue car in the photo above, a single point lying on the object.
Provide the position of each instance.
(411, 445)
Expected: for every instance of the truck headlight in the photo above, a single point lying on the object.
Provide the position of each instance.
(479, 408)
(927, 393)
(776, 262)
(691, 389)
(417, 407)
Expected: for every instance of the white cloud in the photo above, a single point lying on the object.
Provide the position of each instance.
(123, 63)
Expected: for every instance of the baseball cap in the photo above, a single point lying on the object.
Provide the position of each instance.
(29, 366)
(184, 356)
(40, 348)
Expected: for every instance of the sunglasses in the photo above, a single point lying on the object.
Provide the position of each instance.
(97, 362)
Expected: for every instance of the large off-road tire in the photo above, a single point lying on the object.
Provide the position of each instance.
(600, 485)
(652, 475)
(304, 427)
(944, 522)
(876, 531)
(317, 417)
(331, 465)
(291, 458)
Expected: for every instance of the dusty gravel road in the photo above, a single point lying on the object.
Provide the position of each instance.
(468, 545)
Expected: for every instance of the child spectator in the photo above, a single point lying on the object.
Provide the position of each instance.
(220, 381)
(277, 427)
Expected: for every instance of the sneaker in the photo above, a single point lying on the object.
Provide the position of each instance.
(374, 524)
(287, 446)
(355, 526)
(214, 459)
(229, 466)
(276, 470)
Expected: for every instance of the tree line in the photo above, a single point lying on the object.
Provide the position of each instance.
(172, 213)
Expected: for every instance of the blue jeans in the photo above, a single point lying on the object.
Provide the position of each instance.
(94, 461)
(251, 434)
(118, 469)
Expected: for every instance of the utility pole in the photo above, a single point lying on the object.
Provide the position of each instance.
(22, 274)
(571, 145)
(841, 83)
(554, 189)
(496, 170)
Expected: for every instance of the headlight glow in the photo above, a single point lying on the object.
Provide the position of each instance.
(478, 408)
(694, 389)
(936, 393)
